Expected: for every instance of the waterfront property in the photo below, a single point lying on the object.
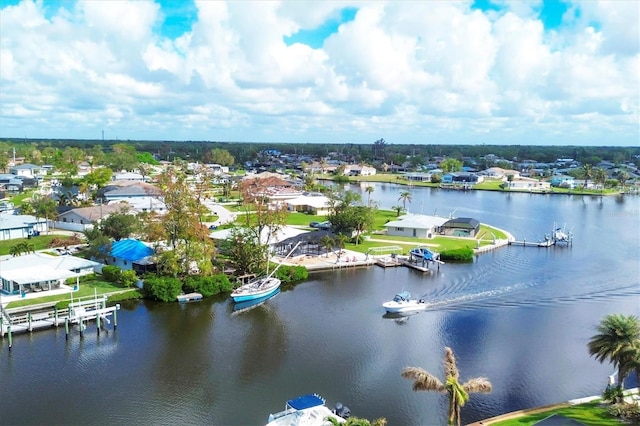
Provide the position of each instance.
(131, 254)
(41, 272)
(415, 225)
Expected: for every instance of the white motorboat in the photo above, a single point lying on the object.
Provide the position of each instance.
(403, 302)
(308, 410)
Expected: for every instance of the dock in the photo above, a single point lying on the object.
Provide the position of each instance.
(525, 243)
(79, 313)
(189, 297)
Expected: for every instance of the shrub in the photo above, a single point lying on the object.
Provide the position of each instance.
(128, 295)
(128, 278)
(208, 286)
(111, 273)
(291, 274)
(464, 254)
(165, 289)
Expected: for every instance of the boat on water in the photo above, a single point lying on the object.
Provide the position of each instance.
(251, 304)
(422, 253)
(308, 410)
(403, 303)
(259, 288)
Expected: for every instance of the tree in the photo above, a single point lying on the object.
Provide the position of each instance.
(120, 225)
(600, 177)
(404, 197)
(44, 206)
(457, 392)
(347, 214)
(340, 242)
(369, 190)
(587, 171)
(246, 252)
(99, 244)
(617, 341)
(221, 156)
(327, 242)
(123, 157)
(397, 209)
(451, 165)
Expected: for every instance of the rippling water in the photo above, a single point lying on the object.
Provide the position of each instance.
(520, 316)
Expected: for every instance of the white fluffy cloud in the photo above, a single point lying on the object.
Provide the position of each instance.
(411, 72)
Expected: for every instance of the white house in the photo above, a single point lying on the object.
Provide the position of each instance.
(21, 226)
(41, 272)
(82, 218)
(316, 204)
(415, 225)
(527, 184)
(27, 170)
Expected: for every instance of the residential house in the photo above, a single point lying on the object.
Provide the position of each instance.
(41, 272)
(562, 181)
(81, 219)
(21, 226)
(10, 183)
(415, 225)
(140, 196)
(461, 178)
(312, 203)
(27, 170)
(131, 254)
(527, 184)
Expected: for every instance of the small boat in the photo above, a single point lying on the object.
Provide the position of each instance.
(423, 253)
(308, 410)
(259, 288)
(189, 297)
(402, 302)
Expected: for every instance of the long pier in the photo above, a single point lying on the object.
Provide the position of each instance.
(78, 313)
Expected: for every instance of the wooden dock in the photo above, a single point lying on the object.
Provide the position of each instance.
(525, 243)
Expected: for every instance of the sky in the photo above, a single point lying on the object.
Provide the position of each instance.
(536, 72)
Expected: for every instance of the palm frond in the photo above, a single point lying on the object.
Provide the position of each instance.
(478, 384)
(450, 367)
(423, 380)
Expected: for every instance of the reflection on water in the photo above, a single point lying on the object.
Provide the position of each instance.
(519, 316)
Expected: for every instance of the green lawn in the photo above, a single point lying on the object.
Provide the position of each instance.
(303, 219)
(39, 243)
(86, 289)
(590, 413)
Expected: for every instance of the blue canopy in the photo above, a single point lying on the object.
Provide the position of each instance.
(130, 250)
(305, 401)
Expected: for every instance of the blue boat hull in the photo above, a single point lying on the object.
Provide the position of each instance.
(255, 295)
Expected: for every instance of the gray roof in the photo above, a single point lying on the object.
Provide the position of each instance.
(417, 221)
(10, 221)
(37, 267)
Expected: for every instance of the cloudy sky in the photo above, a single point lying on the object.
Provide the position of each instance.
(423, 72)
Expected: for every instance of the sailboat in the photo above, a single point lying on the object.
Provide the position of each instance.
(259, 288)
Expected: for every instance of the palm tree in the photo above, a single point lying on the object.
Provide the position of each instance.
(623, 177)
(328, 243)
(404, 197)
(458, 392)
(369, 189)
(600, 176)
(397, 209)
(340, 241)
(587, 169)
(617, 341)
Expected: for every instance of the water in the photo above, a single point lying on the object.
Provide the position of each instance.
(520, 316)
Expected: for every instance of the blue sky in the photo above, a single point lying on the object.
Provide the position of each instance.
(474, 71)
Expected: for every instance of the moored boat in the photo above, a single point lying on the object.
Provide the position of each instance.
(308, 410)
(403, 302)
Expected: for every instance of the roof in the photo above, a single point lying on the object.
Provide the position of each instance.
(10, 221)
(310, 200)
(36, 267)
(96, 212)
(130, 250)
(416, 221)
(461, 222)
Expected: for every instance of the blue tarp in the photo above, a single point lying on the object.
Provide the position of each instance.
(130, 250)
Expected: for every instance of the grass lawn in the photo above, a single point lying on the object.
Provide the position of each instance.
(303, 219)
(590, 413)
(39, 243)
(86, 289)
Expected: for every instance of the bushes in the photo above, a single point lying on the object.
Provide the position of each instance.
(111, 273)
(207, 286)
(291, 274)
(464, 254)
(165, 289)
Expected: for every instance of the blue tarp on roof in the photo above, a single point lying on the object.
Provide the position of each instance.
(130, 250)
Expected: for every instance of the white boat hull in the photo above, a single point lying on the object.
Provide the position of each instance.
(404, 307)
(256, 289)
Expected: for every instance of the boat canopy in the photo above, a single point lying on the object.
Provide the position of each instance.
(404, 296)
(306, 401)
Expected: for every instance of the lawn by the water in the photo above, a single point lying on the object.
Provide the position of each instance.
(593, 413)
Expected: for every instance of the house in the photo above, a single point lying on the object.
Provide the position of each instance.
(359, 170)
(10, 183)
(415, 225)
(27, 170)
(82, 218)
(128, 176)
(462, 178)
(527, 184)
(312, 203)
(460, 227)
(562, 181)
(140, 196)
(499, 173)
(419, 176)
(131, 254)
(21, 226)
(41, 272)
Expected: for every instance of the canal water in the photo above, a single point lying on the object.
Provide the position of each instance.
(521, 317)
